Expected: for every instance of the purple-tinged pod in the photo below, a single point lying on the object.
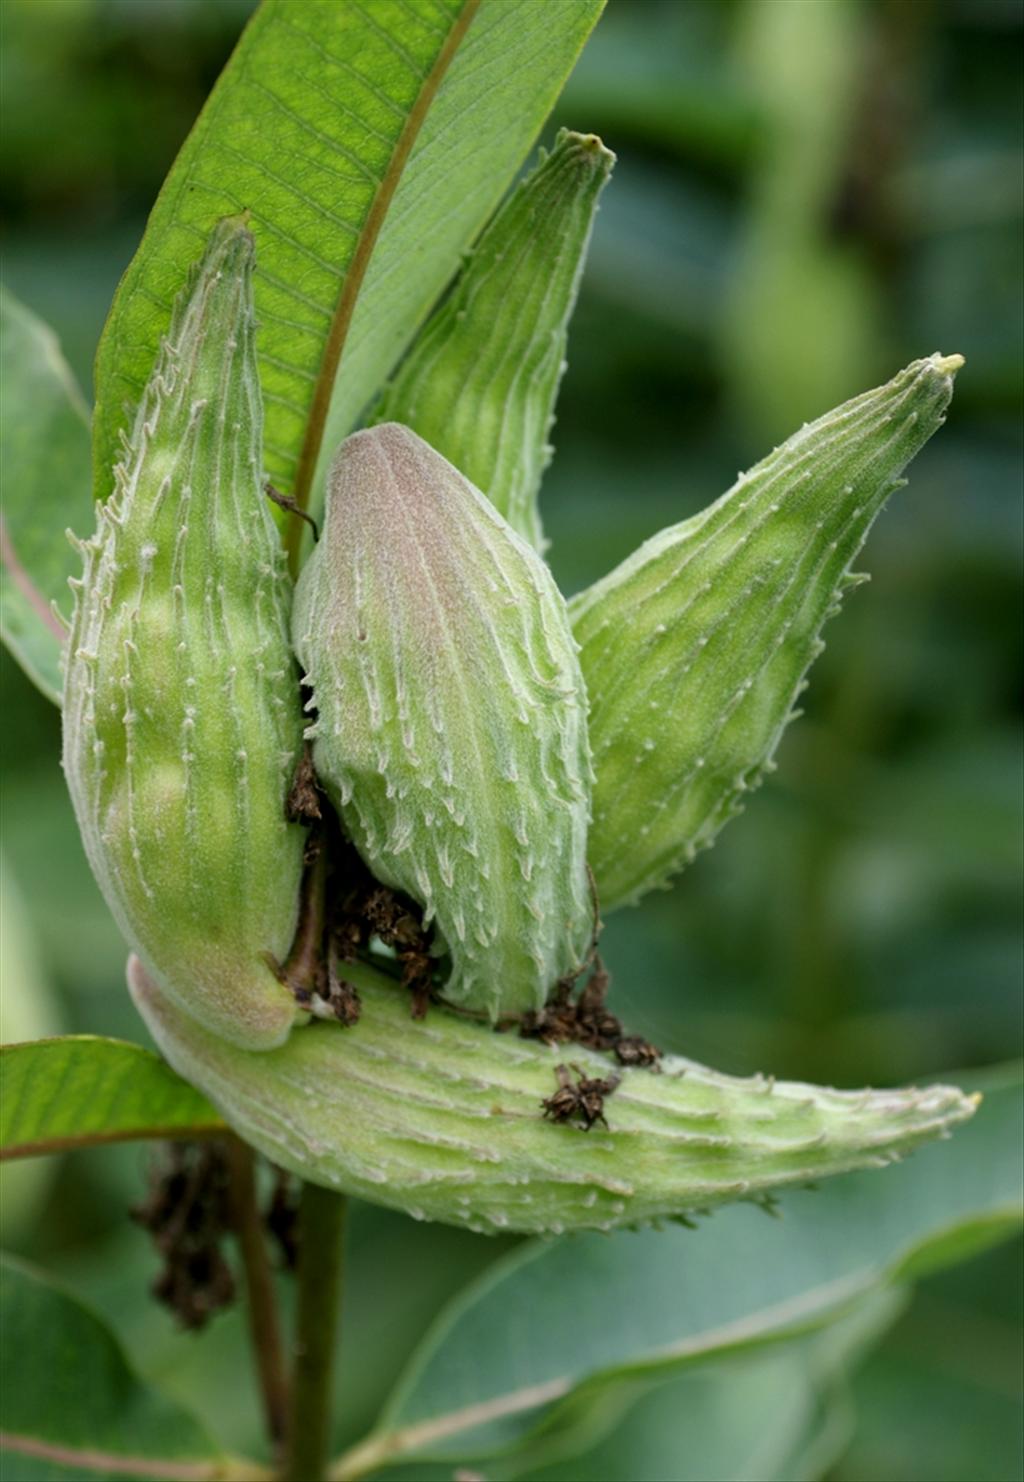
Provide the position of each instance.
(451, 717)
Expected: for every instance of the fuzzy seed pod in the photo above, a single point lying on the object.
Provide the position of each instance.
(442, 1119)
(480, 382)
(182, 717)
(451, 730)
(695, 648)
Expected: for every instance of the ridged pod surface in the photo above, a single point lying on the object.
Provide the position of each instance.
(695, 648)
(480, 382)
(442, 1118)
(451, 730)
(182, 716)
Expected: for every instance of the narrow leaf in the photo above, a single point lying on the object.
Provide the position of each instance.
(69, 1399)
(647, 1301)
(44, 451)
(695, 648)
(369, 144)
(79, 1090)
(481, 380)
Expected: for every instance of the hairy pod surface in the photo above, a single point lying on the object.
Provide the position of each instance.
(695, 648)
(182, 717)
(481, 380)
(441, 1118)
(451, 716)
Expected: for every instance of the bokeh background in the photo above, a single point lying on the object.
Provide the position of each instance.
(809, 194)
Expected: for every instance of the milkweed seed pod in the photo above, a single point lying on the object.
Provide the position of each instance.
(441, 1118)
(182, 716)
(451, 731)
(695, 648)
(481, 380)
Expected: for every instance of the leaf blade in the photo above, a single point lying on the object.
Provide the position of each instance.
(70, 1398)
(831, 1249)
(311, 176)
(44, 444)
(80, 1090)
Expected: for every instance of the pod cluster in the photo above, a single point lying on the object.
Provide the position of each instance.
(501, 759)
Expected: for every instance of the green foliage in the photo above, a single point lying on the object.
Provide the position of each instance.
(658, 1300)
(44, 445)
(774, 196)
(27, 1012)
(327, 115)
(73, 1407)
(481, 380)
(82, 1089)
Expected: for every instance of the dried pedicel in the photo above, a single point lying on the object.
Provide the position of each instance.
(182, 719)
(446, 1120)
(695, 648)
(481, 380)
(451, 724)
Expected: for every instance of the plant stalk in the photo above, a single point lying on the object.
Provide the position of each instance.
(321, 1253)
(261, 1307)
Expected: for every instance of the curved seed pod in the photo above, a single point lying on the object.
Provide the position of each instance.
(695, 648)
(481, 380)
(182, 717)
(452, 728)
(389, 1111)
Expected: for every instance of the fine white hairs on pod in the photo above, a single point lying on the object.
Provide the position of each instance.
(182, 718)
(451, 717)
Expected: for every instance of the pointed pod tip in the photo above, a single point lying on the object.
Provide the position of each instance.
(947, 364)
(232, 245)
(588, 148)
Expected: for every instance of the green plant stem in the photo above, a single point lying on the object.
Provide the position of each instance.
(264, 1325)
(321, 1230)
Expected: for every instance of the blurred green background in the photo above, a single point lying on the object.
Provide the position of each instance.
(809, 194)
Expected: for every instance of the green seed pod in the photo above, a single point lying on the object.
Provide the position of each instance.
(389, 1112)
(695, 648)
(182, 718)
(452, 718)
(481, 380)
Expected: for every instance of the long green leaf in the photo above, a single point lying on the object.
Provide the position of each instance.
(369, 143)
(44, 453)
(69, 1403)
(645, 1302)
(81, 1089)
(776, 1414)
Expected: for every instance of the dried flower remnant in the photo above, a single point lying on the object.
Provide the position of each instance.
(188, 1214)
